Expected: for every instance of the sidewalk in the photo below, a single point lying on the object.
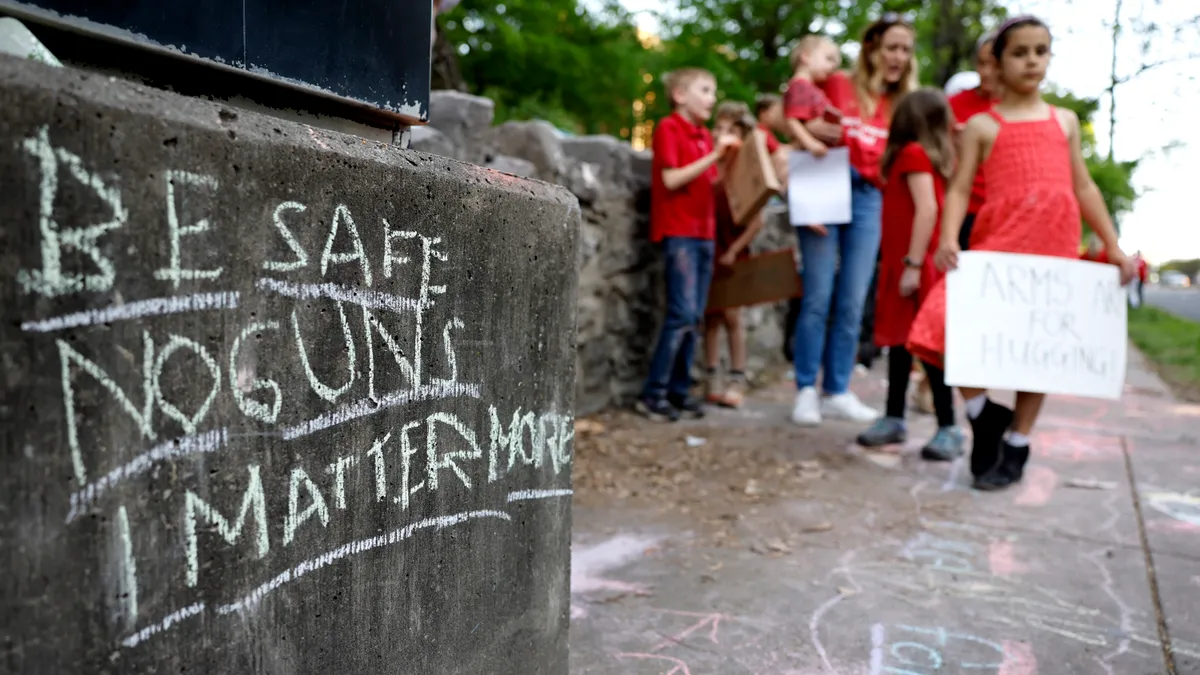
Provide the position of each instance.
(760, 547)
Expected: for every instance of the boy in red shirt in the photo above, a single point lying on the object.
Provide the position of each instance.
(683, 220)
(966, 105)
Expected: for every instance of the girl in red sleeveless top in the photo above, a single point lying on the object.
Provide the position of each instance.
(916, 163)
(1038, 186)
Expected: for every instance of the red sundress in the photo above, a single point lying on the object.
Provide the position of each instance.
(894, 313)
(1031, 208)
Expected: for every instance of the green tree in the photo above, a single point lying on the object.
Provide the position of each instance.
(1112, 177)
(746, 43)
(1188, 267)
(551, 59)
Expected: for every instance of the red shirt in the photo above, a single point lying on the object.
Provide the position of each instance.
(866, 138)
(804, 100)
(967, 104)
(894, 313)
(688, 211)
(772, 141)
(1143, 270)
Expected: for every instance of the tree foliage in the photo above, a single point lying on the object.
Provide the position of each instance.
(1113, 178)
(551, 59)
(1189, 267)
(588, 71)
(746, 43)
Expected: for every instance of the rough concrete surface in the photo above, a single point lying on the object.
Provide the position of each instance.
(741, 544)
(274, 400)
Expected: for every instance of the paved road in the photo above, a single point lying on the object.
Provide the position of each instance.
(1183, 302)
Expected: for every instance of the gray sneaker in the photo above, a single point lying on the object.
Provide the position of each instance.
(945, 446)
(886, 431)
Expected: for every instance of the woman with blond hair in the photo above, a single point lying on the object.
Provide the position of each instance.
(839, 259)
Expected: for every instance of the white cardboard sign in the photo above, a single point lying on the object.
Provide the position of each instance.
(819, 188)
(1034, 323)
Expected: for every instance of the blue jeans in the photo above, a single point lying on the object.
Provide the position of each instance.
(689, 269)
(837, 289)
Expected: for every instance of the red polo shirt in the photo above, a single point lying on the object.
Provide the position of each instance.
(866, 138)
(688, 211)
(967, 104)
(772, 141)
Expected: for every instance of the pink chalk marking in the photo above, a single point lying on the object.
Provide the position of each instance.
(711, 620)
(681, 668)
(1177, 526)
(1018, 659)
(589, 562)
(1039, 485)
(1076, 446)
(1002, 561)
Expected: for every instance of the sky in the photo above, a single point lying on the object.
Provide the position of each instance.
(1153, 110)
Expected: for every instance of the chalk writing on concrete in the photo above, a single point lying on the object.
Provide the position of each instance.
(917, 650)
(249, 367)
(52, 279)
(944, 566)
(1184, 508)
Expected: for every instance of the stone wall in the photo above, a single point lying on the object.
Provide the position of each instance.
(620, 273)
(273, 399)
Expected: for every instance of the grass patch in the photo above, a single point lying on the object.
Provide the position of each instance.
(1172, 344)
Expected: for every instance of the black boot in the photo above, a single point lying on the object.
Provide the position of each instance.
(988, 431)
(1008, 471)
(688, 407)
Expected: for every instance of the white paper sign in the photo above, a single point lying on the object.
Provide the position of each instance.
(1034, 323)
(819, 189)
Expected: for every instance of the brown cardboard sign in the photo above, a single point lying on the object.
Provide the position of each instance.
(759, 279)
(751, 180)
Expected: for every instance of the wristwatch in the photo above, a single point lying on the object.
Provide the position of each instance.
(909, 262)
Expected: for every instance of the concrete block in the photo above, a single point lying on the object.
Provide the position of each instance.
(428, 139)
(275, 401)
(463, 118)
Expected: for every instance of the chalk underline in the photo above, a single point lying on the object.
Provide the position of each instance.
(354, 548)
(367, 406)
(221, 300)
(138, 309)
(251, 599)
(325, 559)
(525, 495)
(207, 442)
(349, 294)
(212, 441)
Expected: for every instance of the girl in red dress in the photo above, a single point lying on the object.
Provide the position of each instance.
(1038, 186)
(917, 161)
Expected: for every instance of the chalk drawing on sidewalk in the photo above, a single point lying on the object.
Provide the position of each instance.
(1002, 561)
(936, 569)
(590, 563)
(1038, 486)
(1076, 446)
(1184, 508)
(680, 668)
(702, 635)
(913, 650)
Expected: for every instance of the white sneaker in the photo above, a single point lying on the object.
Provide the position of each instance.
(807, 410)
(847, 407)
